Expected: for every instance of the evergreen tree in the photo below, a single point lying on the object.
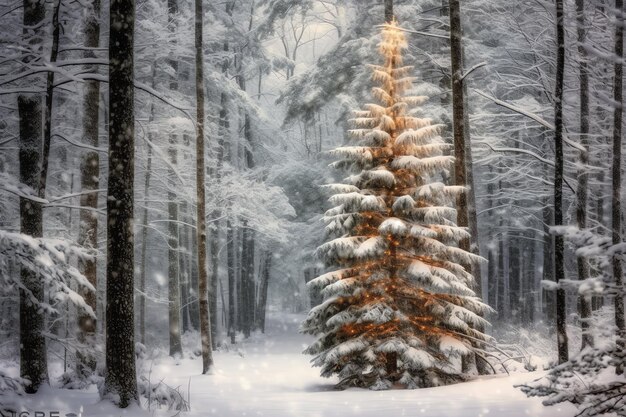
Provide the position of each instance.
(398, 307)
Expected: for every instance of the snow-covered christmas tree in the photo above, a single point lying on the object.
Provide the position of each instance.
(398, 307)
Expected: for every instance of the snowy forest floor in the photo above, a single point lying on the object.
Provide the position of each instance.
(269, 376)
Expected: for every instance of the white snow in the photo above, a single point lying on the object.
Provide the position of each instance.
(269, 376)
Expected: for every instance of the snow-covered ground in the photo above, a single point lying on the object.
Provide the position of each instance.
(268, 376)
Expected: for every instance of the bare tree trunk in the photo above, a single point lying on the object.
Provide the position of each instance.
(121, 379)
(90, 180)
(173, 269)
(239, 273)
(230, 238)
(461, 131)
(144, 248)
(514, 265)
(203, 285)
(214, 259)
(458, 116)
(245, 281)
(251, 278)
(214, 227)
(265, 279)
(492, 279)
(559, 248)
(194, 306)
(584, 301)
(530, 290)
(616, 211)
(144, 228)
(248, 240)
(47, 126)
(183, 262)
(172, 209)
(388, 10)
(33, 359)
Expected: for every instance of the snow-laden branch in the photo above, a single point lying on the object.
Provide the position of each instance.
(20, 193)
(527, 152)
(89, 76)
(50, 259)
(80, 145)
(164, 158)
(13, 186)
(72, 206)
(517, 150)
(65, 197)
(419, 32)
(528, 114)
(475, 67)
(55, 68)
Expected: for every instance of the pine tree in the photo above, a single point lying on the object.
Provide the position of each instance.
(398, 306)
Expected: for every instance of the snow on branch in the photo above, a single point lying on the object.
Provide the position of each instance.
(50, 260)
(530, 115)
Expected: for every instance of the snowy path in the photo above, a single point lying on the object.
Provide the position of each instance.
(273, 379)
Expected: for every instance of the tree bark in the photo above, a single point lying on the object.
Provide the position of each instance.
(616, 211)
(251, 278)
(33, 359)
(559, 247)
(492, 278)
(47, 126)
(245, 281)
(194, 306)
(172, 210)
(460, 135)
(584, 301)
(230, 238)
(90, 180)
(183, 267)
(458, 117)
(239, 274)
(549, 296)
(173, 269)
(185, 264)
(214, 239)
(144, 228)
(203, 285)
(121, 379)
(388, 10)
(265, 279)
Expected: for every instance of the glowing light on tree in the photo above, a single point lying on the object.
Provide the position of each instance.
(398, 306)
